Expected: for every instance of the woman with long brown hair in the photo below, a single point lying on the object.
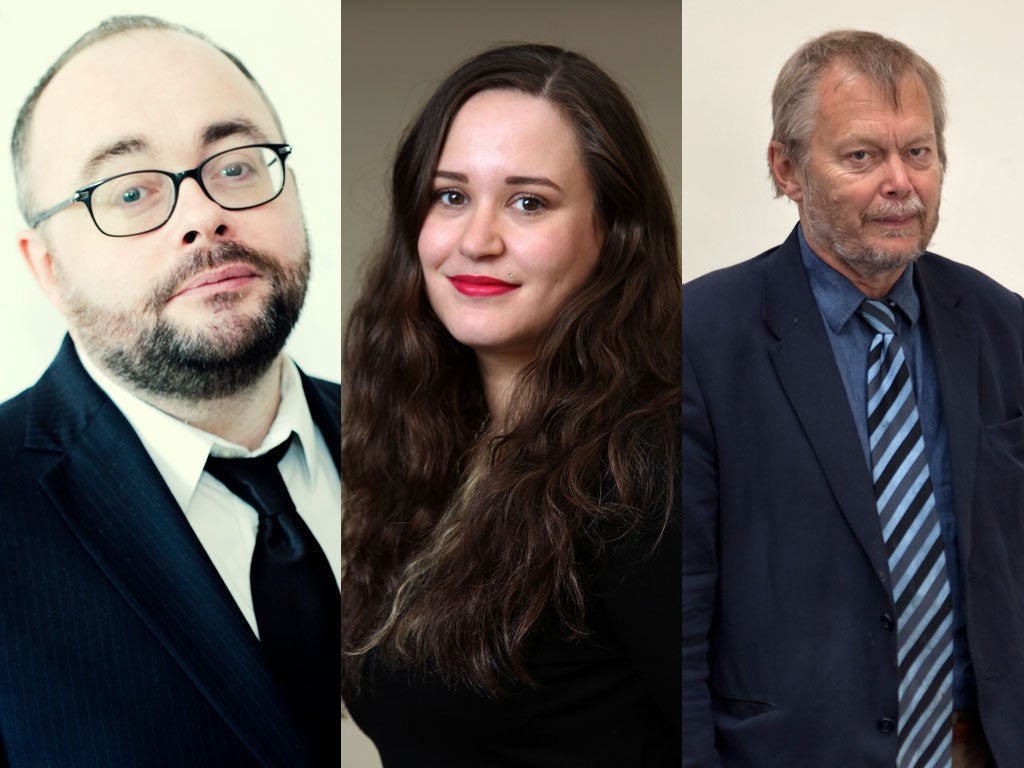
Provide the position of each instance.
(510, 537)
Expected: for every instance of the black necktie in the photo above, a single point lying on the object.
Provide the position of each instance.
(295, 597)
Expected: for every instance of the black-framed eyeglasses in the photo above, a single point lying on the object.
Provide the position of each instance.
(139, 202)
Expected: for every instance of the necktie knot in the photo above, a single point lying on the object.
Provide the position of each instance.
(255, 480)
(880, 315)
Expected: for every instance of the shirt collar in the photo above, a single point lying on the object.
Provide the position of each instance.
(838, 298)
(179, 450)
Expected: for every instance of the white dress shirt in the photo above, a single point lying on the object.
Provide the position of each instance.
(224, 524)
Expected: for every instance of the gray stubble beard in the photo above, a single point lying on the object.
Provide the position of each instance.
(820, 213)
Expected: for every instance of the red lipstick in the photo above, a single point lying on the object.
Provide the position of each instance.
(480, 285)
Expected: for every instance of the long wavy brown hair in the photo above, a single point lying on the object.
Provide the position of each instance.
(460, 537)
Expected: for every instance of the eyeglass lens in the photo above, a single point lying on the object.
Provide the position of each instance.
(137, 202)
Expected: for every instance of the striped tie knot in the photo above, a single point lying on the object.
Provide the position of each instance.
(880, 315)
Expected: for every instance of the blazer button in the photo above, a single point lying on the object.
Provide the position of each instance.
(888, 622)
(887, 725)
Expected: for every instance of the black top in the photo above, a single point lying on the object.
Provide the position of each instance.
(612, 699)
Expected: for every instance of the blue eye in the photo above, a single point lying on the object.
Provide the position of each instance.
(234, 170)
(132, 192)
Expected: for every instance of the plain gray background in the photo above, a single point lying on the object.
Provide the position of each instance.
(293, 50)
(395, 53)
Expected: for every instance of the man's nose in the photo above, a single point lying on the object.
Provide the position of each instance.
(198, 218)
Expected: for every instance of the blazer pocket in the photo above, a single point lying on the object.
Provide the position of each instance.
(740, 709)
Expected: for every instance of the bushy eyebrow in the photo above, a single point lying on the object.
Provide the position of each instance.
(854, 137)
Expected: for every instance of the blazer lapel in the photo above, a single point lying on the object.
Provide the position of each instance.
(806, 367)
(115, 501)
(954, 338)
(324, 401)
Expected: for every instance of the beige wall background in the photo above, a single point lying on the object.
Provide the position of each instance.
(732, 52)
(293, 50)
(395, 52)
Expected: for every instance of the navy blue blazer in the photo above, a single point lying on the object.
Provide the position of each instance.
(789, 656)
(119, 643)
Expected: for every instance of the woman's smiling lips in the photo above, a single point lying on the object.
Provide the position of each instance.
(480, 285)
(229, 278)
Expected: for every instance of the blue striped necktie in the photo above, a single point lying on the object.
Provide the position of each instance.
(913, 541)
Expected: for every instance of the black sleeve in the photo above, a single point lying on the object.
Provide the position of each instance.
(641, 587)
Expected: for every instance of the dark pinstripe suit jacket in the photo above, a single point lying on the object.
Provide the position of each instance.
(119, 643)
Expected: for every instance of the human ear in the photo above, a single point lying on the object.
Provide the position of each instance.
(785, 172)
(39, 260)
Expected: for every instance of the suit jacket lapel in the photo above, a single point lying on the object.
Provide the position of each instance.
(324, 402)
(806, 367)
(117, 504)
(954, 338)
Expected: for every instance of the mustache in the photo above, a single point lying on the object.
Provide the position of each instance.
(202, 259)
(912, 206)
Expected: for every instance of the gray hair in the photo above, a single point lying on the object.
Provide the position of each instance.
(881, 59)
(115, 25)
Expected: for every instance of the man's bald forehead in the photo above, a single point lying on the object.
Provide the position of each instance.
(110, 28)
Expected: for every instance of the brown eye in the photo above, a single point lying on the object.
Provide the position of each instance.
(451, 197)
(529, 204)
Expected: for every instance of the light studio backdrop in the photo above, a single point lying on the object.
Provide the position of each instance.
(292, 49)
(395, 52)
(732, 52)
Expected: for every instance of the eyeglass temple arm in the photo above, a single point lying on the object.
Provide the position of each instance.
(39, 218)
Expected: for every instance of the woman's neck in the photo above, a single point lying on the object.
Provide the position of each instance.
(498, 374)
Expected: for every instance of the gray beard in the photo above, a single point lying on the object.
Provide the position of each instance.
(821, 214)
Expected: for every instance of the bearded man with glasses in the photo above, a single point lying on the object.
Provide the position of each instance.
(169, 491)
